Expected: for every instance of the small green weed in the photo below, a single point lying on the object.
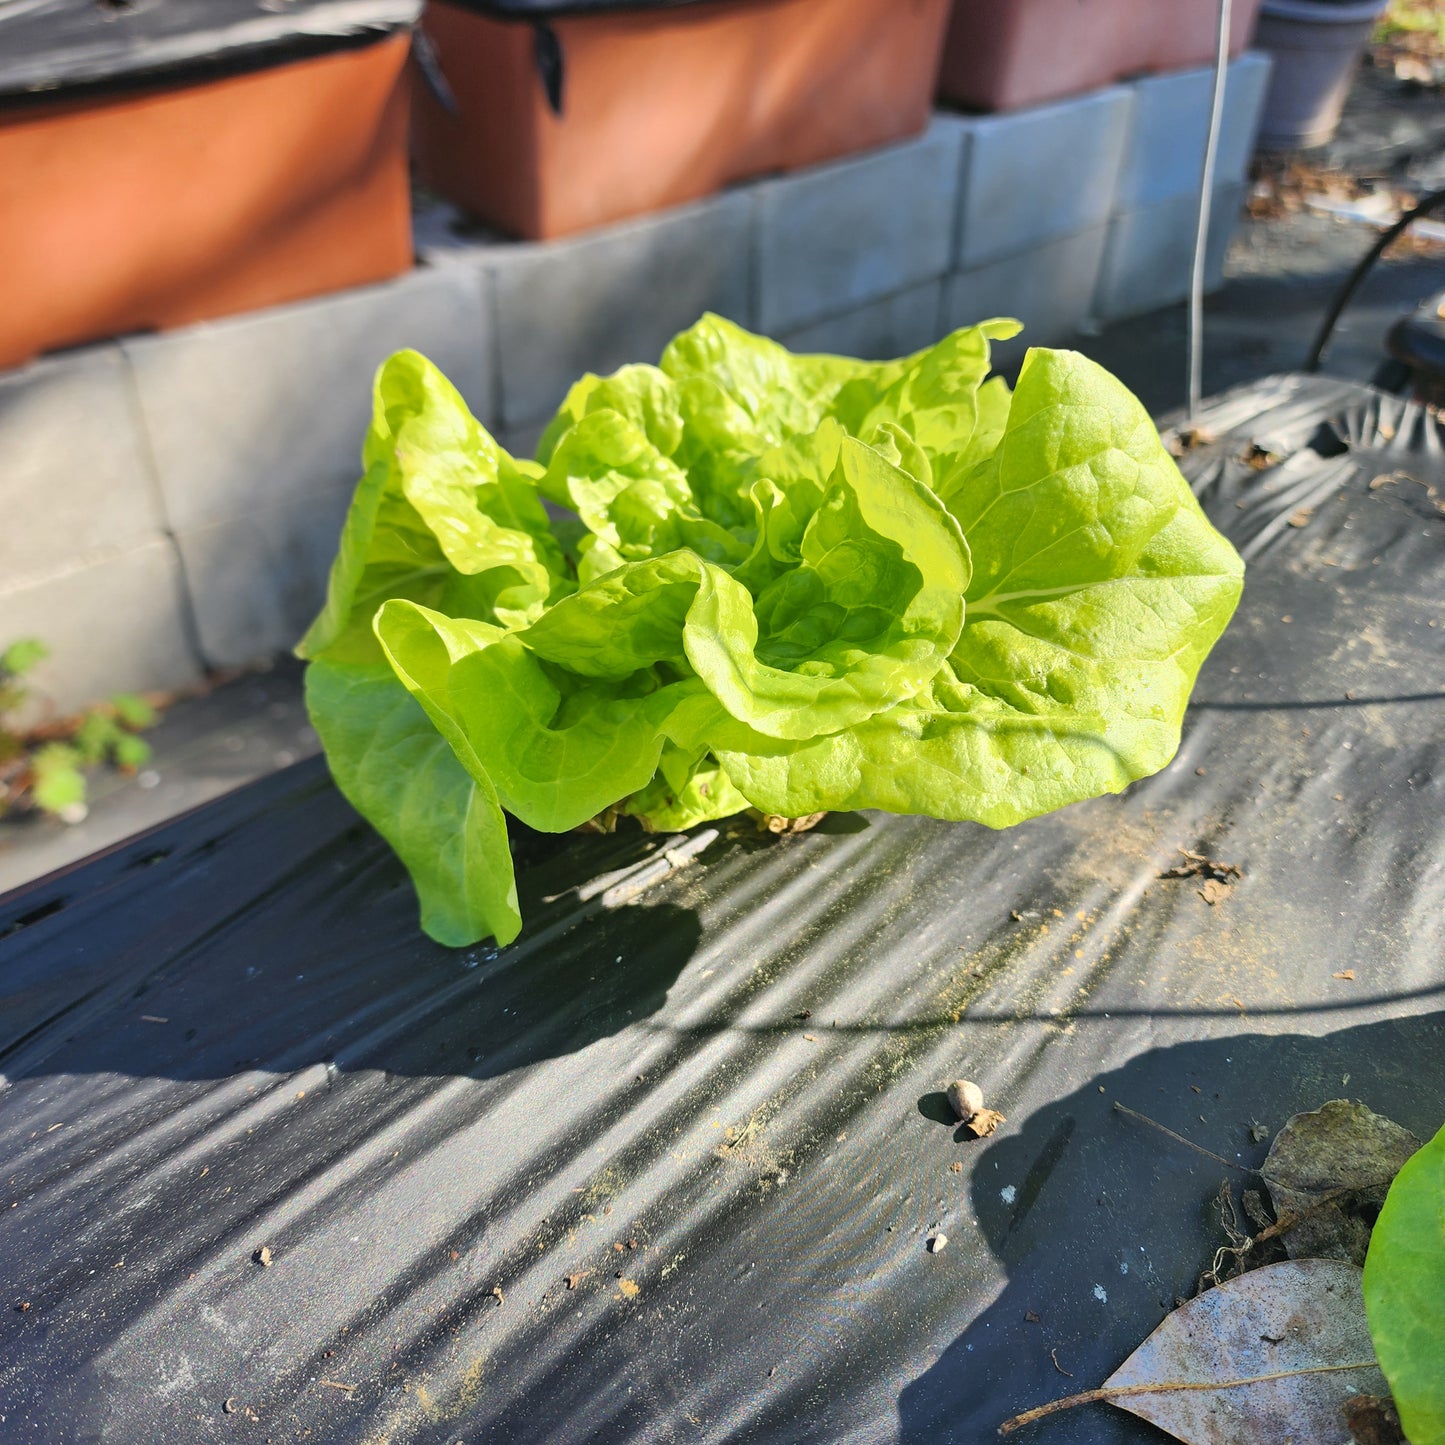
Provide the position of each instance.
(44, 766)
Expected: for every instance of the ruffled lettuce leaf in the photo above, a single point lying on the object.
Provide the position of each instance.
(798, 583)
(1099, 587)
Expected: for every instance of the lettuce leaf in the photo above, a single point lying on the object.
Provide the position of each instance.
(796, 583)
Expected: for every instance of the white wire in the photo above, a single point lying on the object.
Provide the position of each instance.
(1201, 233)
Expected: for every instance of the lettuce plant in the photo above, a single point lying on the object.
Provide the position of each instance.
(796, 583)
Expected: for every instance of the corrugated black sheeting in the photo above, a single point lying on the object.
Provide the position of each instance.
(53, 48)
(716, 1109)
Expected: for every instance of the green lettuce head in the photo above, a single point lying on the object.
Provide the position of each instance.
(792, 583)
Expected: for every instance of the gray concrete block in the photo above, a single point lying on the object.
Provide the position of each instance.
(256, 581)
(114, 623)
(1170, 124)
(881, 330)
(838, 236)
(1050, 289)
(1038, 175)
(260, 409)
(74, 476)
(612, 296)
(1151, 251)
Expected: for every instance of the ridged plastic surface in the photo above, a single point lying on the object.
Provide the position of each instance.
(664, 1169)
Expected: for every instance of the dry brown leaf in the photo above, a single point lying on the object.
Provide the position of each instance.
(1267, 1357)
(1331, 1167)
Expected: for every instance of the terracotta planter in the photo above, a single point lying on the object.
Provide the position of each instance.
(662, 106)
(1003, 54)
(148, 209)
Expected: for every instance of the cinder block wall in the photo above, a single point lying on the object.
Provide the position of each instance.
(172, 502)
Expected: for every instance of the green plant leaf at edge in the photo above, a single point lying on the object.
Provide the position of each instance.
(1405, 1292)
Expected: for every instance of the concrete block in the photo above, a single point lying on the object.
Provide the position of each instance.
(1151, 251)
(114, 623)
(1050, 289)
(73, 471)
(1038, 175)
(258, 410)
(1165, 151)
(838, 236)
(881, 330)
(256, 581)
(612, 296)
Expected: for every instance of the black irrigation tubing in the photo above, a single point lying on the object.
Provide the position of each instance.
(1362, 269)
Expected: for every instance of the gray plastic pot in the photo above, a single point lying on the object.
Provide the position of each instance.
(1316, 46)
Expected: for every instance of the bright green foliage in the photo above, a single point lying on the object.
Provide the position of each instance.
(51, 774)
(797, 583)
(57, 784)
(1405, 1293)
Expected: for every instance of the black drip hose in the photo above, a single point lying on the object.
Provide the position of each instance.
(1362, 269)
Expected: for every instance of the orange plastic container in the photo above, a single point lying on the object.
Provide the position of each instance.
(1004, 54)
(148, 209)
(662, 106)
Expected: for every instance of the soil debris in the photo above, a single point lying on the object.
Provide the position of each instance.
(1218, 877)
(984, 1123)
(1259, 458)
(1187, 438)
(496, 1294)
(1300, 517)
(1347, 974)
(1030, 1318)
(1373, 1420)
(1328, 1171)
(776, 823)
(965, 1098)
(573, 1280)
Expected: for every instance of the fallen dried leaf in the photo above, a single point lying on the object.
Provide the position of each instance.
(1301, 517)
(1267, 1357)
(1329, 1170)
(1348, 974)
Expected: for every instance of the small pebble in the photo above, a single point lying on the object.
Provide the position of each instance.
(230, 1406)
(936, 1242)
(965, 1097)
(263, 1256)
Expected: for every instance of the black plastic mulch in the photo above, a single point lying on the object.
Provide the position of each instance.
(664, 1169)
